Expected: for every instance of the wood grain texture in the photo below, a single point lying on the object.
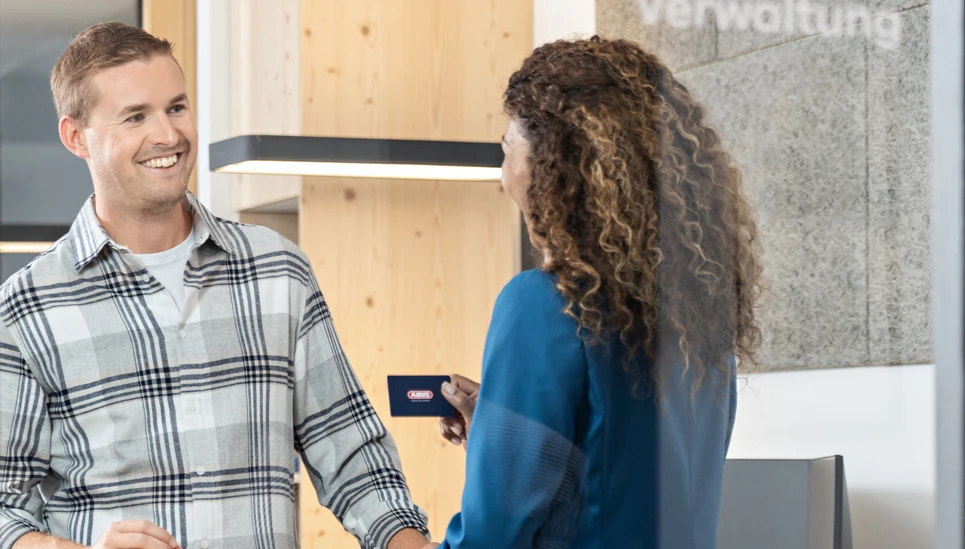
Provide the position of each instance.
(410, 273)
(177, 22)
(410, 269)
(266, 88)
(412, 69)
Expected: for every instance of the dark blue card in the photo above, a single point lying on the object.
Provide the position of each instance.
(418, 396)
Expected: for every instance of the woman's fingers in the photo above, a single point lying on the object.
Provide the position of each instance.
(454, 425)
(466, 385)
(462, 393)
(463, 402)
(452, 430)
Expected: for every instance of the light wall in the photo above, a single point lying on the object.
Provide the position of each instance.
(881, 419)
(562, 19)
(249, 83)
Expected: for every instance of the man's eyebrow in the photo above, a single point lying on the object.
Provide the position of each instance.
(132, 109)
(143, 106)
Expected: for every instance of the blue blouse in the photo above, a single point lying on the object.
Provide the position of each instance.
(561, 454)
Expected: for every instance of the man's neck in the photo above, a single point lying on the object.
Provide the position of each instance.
(145, 233)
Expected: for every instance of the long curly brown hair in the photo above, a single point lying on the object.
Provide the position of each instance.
(637, 208)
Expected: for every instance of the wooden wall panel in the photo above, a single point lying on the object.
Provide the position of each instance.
(410, 269)
(411, 69)
(177, 22)
(410, 273)
(266, 88)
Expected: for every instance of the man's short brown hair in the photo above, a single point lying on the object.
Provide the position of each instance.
(98, 47)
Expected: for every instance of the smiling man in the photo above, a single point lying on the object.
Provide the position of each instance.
(159, 367)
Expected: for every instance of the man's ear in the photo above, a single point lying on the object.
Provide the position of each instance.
(72, 136)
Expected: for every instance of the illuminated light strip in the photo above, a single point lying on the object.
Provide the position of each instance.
(24, 247)
(375, 171)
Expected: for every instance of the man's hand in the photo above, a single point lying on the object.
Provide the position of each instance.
(408, 538)
(127, 534)
(136, 534)
(37, 540)
(463, 394)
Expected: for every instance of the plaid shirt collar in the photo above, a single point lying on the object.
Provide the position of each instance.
(88, 236)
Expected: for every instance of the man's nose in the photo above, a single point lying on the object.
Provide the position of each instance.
(163, 132)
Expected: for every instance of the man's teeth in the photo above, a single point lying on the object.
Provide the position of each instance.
(164, 162)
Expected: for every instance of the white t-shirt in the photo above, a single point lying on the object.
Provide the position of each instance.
(168, 267)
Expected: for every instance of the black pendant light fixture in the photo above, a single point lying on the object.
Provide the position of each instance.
(354, 157)
(29, 239)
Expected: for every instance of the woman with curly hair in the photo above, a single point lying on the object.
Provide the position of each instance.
(608, 389)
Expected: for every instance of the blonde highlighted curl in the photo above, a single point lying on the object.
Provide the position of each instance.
(637, 208)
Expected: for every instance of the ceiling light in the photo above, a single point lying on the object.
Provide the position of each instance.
(24, 247)
(29, 239)
(352, 157)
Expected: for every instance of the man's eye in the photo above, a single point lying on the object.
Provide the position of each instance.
(177, 108)
(136, 118)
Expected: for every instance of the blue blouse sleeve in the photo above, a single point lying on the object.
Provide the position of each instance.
(521, 458)
(732, 415)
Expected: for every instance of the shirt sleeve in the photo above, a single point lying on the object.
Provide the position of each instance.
(524, 471)
(24, 444)
(347, 452)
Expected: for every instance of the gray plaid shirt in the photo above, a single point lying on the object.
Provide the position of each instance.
(116, 405)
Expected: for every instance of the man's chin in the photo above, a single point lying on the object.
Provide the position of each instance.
(160, 200)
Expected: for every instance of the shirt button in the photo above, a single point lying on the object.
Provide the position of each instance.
(192, 407)
(182, 334)
(201, 471)
(205, 544)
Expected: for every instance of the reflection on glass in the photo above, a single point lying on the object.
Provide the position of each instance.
(41, 183)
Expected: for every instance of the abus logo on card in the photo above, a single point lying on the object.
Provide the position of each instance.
(420, 395)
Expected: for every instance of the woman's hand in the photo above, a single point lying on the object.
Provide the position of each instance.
(462, 393)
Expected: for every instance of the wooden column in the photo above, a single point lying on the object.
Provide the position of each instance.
(410, 269)
(265, 90)
(176, 21)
